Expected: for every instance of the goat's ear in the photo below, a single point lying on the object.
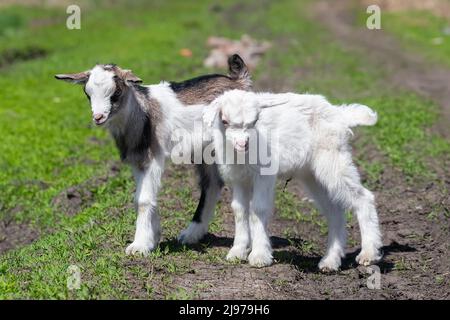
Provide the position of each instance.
(129, 77)
(79, 78)
(210, 113)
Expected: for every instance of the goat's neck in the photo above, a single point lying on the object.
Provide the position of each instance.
(132, 129)
(126, 114)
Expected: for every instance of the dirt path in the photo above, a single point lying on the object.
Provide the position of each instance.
(405, 69)
(414, 218)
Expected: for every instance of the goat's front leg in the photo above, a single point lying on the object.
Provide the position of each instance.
(240, 205)
(211, 186)
(261, 208)
(148, 229)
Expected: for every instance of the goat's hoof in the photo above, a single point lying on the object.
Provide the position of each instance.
(192, 234)
(136, 248)
(260, 259)
(326, 270)
(329, 264)
(238, 253)
(367, 258)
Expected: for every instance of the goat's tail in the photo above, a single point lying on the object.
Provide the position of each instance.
(238, 69)
(358, 115)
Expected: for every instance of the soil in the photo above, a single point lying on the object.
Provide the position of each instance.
(405, 69)
(70, 202)
(76, 198)
(13, 235)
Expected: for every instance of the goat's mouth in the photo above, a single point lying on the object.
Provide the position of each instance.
(100, 122)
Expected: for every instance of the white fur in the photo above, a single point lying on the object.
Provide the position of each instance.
(175, 116)
(148, 227)
(308, 139)
(100, 87)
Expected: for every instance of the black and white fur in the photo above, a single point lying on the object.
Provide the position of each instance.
(141, 120)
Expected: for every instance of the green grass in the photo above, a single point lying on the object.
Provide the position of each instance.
(292, 208)
(421, 31)
(47, 137)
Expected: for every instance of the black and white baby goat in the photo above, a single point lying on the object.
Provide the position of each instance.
(142, 119)
(291, 136)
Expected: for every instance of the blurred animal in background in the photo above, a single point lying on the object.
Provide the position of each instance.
(248, 48)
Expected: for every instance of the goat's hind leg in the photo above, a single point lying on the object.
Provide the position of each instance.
(334, 214)
(210, 184)
(341, 179)
(364, 207)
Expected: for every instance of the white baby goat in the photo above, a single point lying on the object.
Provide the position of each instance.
(306, 138)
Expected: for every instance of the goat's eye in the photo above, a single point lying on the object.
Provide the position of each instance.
(115, 97)
(225, 122)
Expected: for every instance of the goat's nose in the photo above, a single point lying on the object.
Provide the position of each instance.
(98, 116)
(241, 143)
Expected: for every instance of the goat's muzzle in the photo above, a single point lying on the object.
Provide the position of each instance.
(241, 145)
(99, 118)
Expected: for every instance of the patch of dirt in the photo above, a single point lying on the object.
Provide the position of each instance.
(10, 56)
(76, 198)
(70, 202)
(13, 235)
(406, 70)
(416, 229)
